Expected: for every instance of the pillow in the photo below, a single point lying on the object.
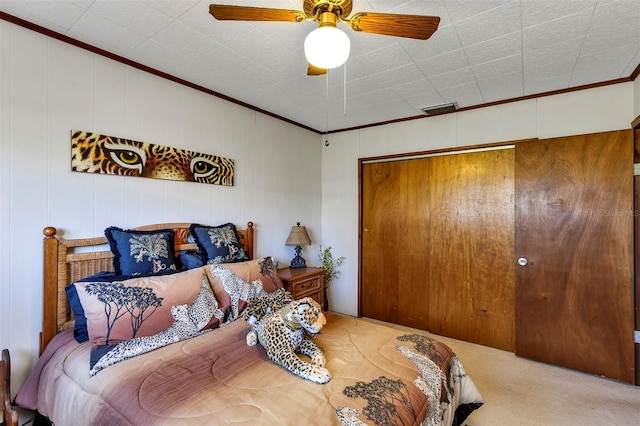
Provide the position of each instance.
(121, 310)
(218, 244)
(262, 269)
(235, 283)
(204, 310)
(189, 321)
(141, 252)
(80, 332)
(80, 327)
(190, 259)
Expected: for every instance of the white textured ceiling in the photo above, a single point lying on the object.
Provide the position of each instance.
(483, 51)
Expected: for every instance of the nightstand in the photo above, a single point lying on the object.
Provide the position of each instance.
(304, 282)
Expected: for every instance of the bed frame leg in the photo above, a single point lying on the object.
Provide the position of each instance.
(9, 414)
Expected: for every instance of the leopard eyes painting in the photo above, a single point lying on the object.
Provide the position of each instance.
(203, 167)
(96, 153)
(129, 157)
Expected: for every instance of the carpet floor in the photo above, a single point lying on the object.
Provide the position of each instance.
(521, 392)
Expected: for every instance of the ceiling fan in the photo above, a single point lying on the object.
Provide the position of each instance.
(327, 46)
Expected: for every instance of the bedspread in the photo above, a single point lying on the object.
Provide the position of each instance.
(380, 375)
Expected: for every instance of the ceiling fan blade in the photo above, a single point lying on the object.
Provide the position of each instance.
(244, 13)
(313, 70)
(409, 26)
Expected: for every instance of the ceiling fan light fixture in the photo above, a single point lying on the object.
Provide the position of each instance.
(327, 47)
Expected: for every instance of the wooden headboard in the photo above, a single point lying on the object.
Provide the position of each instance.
(64, 264)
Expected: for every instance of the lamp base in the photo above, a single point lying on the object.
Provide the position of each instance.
(298, 261)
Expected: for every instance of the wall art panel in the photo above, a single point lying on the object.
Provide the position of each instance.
(96, 153)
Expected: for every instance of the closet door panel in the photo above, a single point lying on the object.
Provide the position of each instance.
(394, 238)
(471, 237)
(574, 225)
(637, 247)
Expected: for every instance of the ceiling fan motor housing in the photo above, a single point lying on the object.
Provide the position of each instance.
(341, 8)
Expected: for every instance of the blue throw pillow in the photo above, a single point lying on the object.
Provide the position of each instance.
(190, 259)
(218, 244)
(141, 252)
(80, 328)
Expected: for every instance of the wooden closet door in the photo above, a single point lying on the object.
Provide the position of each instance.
(394, 256)
(471, 237)
(574, 226)
(437, 245)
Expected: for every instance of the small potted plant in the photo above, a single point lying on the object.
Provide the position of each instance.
(330, 266)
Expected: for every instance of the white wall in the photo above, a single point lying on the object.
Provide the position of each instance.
(48, 87)
(587, 111)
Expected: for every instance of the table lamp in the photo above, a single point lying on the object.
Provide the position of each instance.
(298, 237)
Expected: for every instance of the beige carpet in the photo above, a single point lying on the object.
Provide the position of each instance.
(518, 391)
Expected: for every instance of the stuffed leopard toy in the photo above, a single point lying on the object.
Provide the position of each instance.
(283, 334)
(261, 306)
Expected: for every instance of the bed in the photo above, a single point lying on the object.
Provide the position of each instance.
(379, 374)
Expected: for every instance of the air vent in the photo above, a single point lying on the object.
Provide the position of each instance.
(439, 109)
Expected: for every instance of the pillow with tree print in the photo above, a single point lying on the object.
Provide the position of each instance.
(141, 252)
(80, 332)
(121, 310)
(218, 244)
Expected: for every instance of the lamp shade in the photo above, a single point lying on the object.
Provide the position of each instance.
(327, 47)
(298, 236)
